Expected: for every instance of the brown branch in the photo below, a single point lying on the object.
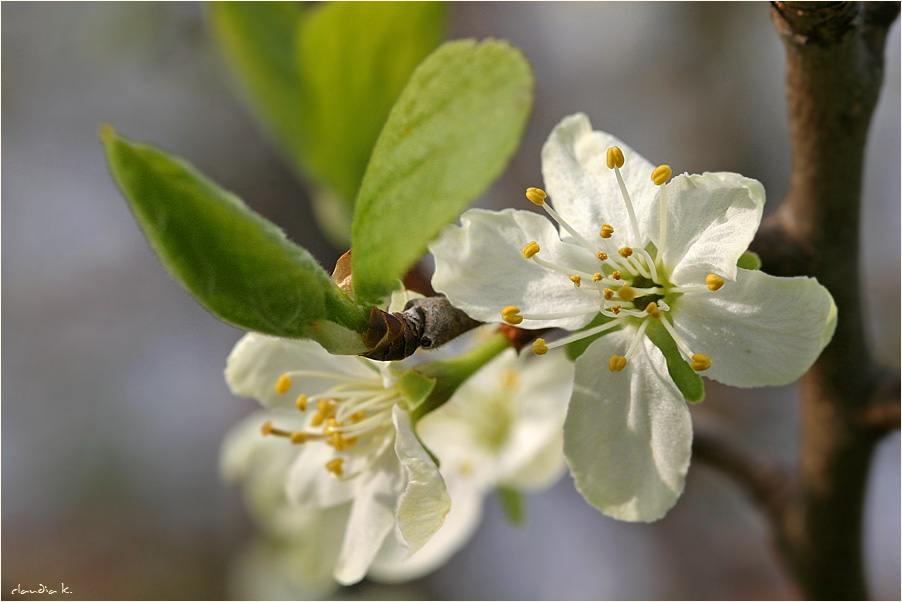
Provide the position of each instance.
(834, 72)
(881, 415)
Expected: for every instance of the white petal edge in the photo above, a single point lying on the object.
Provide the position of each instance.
(394, 564)
(371, 520)
(628, 434)
(711, 219)
(425, 503)
(481, 269)
(582, 188)
(257, 361)
(759, 330)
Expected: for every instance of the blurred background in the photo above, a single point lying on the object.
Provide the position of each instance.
(114, 404)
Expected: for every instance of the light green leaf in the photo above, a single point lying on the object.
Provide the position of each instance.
(452, 131)
(512, 504)
(749, 261)
(686, 379)
(257, 40)
(237, 264)
(354, 58)
(415, 387)
(323, 81)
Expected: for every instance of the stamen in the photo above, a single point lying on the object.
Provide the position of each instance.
(626, 293)
(530, 249)
(652, 310)
(539, 347)
(578, 336)
(536, 195)
(283, 384)
(563, 224)
(608, 294)
(637, 338)
(615, 309)
(301, 402)
(714, 282)
(577, 280)
(511, 315)
(616, 275)
(661, 174)
(700, 362)
(606, 231)
(614, 157)
(298, 437)
(625, 252)
(267, 428)
(617, 363)
(334, 466)
(602, 256)
(597, 276)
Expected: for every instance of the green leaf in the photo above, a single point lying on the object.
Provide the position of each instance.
(749, 261)
(323, 80)
(354, 58)
(452, 131)
(512, 504)
(237, 264)
(686, 379)
(257, 40)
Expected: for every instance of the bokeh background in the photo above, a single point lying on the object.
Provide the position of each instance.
(114, 404)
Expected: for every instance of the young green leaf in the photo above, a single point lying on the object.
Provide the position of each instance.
(452, 131)
(237, 264)
(686, 379)
(257, 40)
(354, 58)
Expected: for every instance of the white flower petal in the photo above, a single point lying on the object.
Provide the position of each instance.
(311, 485)
(582, 188)
(480, 267)
(372, 519)
(712, 218)
(394, 563)
(628, 434)
(425, 502)
(257, 362)
(759, 330)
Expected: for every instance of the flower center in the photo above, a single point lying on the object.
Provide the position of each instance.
(353, 417)
(632, 286)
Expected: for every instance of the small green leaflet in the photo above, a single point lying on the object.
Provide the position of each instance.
(237, 264)
(451, 133)
(686, 379)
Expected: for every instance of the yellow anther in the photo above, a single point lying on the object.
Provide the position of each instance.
(652, 310)
(266, 429)
(602, 256)
(615, 309)
(511, 314)
(357, 416)
(349, 441)
(714, 282)
(700, 362)
(625, 252)
(576, 279)
(301, 402)
(626, 293)
(596, 277)
(616, 275)
(337, 442)
(536, 195)
(317, 419)
(661, 174)
(325, 407)
(334, 466)
(331, 423)
(615, 157)
(606, 232)
(608, 293)
(617, 363)
(298, 437)
(283, 384)
(539, 347)
(530, 249)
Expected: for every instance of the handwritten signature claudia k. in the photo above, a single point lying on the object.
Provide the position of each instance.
(43, 589)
